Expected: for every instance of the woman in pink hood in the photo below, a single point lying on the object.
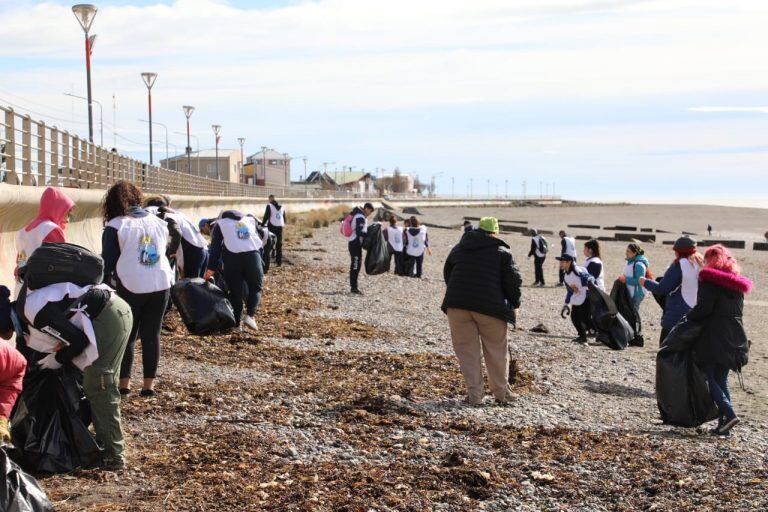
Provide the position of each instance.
(723, 345)
(48, 226)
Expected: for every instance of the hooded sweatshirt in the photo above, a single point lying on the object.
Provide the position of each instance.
(48, 226)
(636, 268)
(481, 276)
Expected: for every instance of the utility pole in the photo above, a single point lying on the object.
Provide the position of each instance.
(453, 184)
(85, 13)
(216, 131)
(241, 141)
(114, 121)
(506, 189)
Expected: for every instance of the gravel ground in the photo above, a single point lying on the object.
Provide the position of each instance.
(354, 403)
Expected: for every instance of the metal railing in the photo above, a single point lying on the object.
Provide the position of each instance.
(35, 154)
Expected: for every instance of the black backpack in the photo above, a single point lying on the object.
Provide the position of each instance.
(53, 263)
(543, 245)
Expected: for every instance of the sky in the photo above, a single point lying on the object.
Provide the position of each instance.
(600, 100)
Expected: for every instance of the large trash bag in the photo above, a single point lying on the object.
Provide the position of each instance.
(682, 393)
(48, 430)
(612, 329)
(20, 492)
(204, 307)
(377, 259)
(620, 297)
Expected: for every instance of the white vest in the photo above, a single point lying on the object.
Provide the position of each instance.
(240, 235)
(47, 341)
(690, 285)
(571, 278)
(189, 231)
(537, 251)
(143, 266)
(353, 236)
(570, 246)
(599, 280)
(417, 244)
(629, 271)
(276, 216)
(28, 241)
(395, 237)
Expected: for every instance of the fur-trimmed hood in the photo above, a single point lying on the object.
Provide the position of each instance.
(733, 282)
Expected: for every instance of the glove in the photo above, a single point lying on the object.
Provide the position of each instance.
(5, 433)
(49, 362)
(565, 311)
(209, 274)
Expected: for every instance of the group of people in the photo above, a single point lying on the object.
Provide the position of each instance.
(146, 247)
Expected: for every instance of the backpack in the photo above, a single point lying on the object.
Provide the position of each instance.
(543, 245)
(53, 263)
(346, 228)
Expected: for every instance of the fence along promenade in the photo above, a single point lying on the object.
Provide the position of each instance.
(35, 154)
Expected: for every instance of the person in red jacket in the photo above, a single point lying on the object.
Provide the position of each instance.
(12, 366)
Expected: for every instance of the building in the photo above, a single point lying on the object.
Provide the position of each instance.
(320, 181)
(359, 183)
(204, 164)
(268, 168)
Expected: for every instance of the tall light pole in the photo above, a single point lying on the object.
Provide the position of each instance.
(101, 114)
(453, 186)
(167, 160)
(471, 180)
(85, 13)
(188, 109)
(241, 141)
(216, 131)
(286, 163)
(264, 162)
(197, 143)
(506, 189)
(149, 80)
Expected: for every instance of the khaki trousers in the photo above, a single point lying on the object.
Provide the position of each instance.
(476, 336)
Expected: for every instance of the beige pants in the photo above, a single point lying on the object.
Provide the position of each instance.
(476, 335)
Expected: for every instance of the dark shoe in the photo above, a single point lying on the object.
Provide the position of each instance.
(637, 341)
(580, 339)
(728, 424)
(356, 292)
(113, 464)
(148, 393)
(125, 391)
(560, 284)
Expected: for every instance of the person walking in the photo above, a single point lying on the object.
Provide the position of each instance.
(577, 280)
(593, 264)
(482, 296)
(13, 365)
(134, 247)
(416, 242)
(192, 256)
(636, 266)
(709, 229)
(84, 319)
(567, 246)
(49, 226)
(394, 236)
(359, 228)
(539, 250)
(680, 284)
(235, 244)
(274, 219)
(723, 344)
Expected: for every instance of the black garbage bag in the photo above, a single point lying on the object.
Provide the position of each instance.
(19, 491)
(612, 329)
(204, 307)
(48, 430)
(377, 259)
(620, 297)
(682, 393)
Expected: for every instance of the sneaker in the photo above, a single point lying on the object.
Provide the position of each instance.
(113, 464)
(250, 323)
(471, 402)
(581, 339)
(355, 291)
(560, 284)
(125, 391)
(148, 393)
(728, 424)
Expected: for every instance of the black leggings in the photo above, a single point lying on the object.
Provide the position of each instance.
(538, 265)
(418, 262)
(243, 270)
(278, 231)
(580, 316)
(355, 260)
(195, 259)
(148, 310)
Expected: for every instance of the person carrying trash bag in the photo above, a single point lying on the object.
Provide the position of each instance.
(577, 281)
(235, 245)
(723, 345)
(87, 327)
(679, 286)
(274, 219)
(354, 228)
(482, 297)
(192, 253)
(627, 292)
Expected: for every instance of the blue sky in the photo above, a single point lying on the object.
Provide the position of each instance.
(593, 95)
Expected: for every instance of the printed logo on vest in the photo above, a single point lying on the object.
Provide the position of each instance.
(243, 233)
(415, 243)
(21, 259)
(148, 255)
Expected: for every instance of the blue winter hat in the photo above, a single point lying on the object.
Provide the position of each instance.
(6, 324)
(202, 224)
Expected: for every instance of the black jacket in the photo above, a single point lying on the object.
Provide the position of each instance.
(719, 307)
(481, 276)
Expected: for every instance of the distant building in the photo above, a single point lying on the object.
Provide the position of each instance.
(360, 183)
(320, 181)
(268, 169)
(203, 163)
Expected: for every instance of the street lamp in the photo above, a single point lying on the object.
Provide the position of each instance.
(101, 114)
(286, 162)
(216, 131)
(188, 113)
(85, 13)
(197, 142)
(241, 141)
(167, 160)
(149, 80)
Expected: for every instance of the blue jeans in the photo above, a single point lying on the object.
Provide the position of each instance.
(717, 379)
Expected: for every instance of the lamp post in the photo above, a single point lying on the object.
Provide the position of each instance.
(85, 13)
(216, 131)
(241, 141)
(149, 80)
(101, 114)
(197, 144)
(286, 163)
(264, 162)
(188, 113)
(167, 160)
